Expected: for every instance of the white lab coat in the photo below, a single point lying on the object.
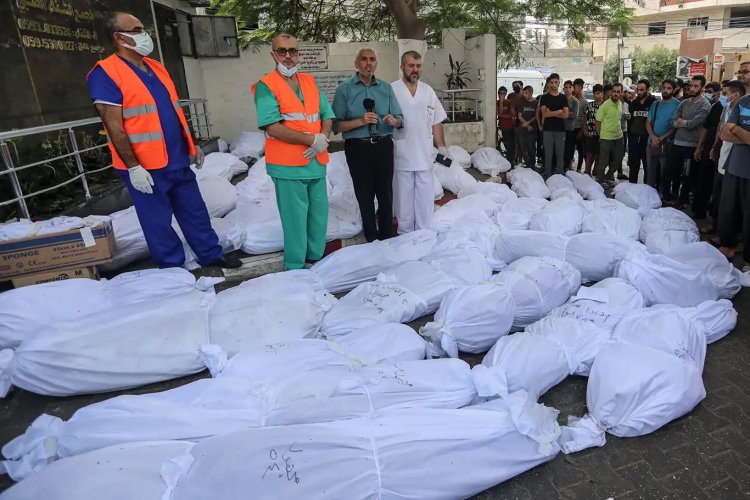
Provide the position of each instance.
(413, 156)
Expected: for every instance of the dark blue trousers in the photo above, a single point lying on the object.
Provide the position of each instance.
(175, 192)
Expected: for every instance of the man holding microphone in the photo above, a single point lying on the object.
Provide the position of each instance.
(367, 113)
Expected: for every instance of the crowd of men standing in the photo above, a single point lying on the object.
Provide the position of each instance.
(692, 142)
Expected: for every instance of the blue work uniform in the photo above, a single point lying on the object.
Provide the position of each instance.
(175, 187)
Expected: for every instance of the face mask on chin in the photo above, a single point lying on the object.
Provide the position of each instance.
(144, 44)
(287, 72)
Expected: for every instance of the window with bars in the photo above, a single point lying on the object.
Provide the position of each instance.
(657, 28)
(739, 17)
(695, 22)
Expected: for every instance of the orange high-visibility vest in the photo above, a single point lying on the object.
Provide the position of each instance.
(139, 114)
(302, 117)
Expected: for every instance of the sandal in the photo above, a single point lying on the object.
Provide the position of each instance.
(746, 268)
(715, 241)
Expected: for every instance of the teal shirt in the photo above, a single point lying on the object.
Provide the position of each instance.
(269, 113)
(348, 105)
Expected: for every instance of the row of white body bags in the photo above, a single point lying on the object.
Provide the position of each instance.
(272, 308)
(346, 268)
(593, 254)
(647, 376)
(472, 318)
(563, 343)
(216, 406)
(70, 300)
(685, 276)
(49, 438)
(406, 291)
(456, 453)
(109, 350)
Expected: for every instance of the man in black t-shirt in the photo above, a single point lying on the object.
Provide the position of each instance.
(703, 181)
(554, 112)
(638, 135)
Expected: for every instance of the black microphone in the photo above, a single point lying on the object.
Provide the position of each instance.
(369, 105)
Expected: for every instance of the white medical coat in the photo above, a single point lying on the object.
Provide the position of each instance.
(413, 149)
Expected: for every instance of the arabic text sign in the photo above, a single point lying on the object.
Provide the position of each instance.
(329, 80)
(312, 57)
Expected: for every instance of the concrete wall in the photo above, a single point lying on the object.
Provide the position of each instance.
(226, 82)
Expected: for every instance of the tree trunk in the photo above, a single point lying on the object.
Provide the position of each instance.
(408, 25)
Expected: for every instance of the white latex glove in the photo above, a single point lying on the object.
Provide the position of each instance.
(199, 157)
(444, 151)
(319, 145)
(141, 179)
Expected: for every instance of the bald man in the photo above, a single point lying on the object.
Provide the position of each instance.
(151, 146)
(297, 118)
(367, 113)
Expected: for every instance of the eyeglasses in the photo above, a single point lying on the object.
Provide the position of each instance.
(743, 72)
(135, 31)
(283, 52)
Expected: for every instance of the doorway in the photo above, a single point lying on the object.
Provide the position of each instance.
(171, 52)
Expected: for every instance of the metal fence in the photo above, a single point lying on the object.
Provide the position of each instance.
(196, 112)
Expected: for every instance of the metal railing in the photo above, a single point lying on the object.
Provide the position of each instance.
(196, 112)
(454, 103)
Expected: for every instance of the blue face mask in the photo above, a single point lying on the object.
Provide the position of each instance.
(724, 100)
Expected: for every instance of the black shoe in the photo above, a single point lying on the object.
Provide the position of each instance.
(227, 262)
(312, 261)
(622, 177)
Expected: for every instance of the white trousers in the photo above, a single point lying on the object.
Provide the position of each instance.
(413, 199)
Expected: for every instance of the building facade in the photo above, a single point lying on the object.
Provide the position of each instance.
(662, 22)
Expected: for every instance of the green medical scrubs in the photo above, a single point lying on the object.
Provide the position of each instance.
(301, 193)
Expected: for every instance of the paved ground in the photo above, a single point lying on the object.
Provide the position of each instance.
(705, 454)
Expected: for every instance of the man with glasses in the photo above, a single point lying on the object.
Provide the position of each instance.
(687, 121)
(151, 146)
(297, 118)
(638, 140)
(367, 113)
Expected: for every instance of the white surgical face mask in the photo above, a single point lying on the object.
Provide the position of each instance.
(144, 45)
(287, 72)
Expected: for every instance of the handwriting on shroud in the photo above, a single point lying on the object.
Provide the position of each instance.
(283, 467)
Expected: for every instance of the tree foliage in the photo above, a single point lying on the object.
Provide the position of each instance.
(656, 65)
(360, 20)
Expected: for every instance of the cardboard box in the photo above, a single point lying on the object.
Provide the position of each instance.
(64, 250)
(60, 275)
